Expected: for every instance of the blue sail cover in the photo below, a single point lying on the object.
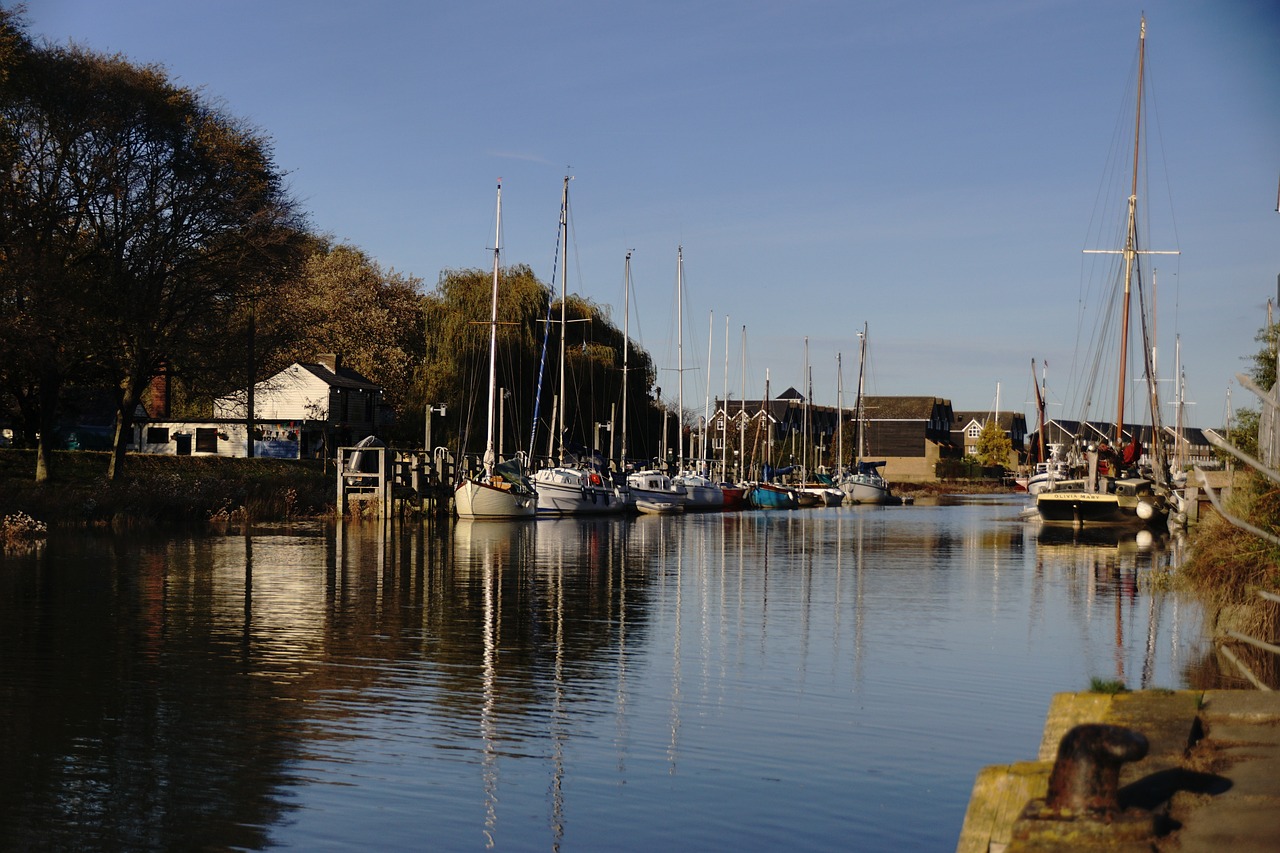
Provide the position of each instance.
(770, 472)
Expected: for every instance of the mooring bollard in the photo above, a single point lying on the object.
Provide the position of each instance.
(1081, 810)
(1086, 774)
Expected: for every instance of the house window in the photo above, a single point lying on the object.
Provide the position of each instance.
(157, 435)
(974, 430)
(206, 440)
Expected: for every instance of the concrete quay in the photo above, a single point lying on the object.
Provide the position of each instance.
(1210, 780)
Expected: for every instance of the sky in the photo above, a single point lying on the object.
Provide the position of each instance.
(929, 169)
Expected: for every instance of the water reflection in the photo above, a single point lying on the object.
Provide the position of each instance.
(790, 679)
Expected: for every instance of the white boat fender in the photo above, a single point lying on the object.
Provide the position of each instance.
(1145, 510)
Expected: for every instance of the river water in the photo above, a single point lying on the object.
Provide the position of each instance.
(810, 680)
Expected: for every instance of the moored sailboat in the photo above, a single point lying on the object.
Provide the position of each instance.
(502, 490)
(1115, 491)
(864, 484)
(567, 488)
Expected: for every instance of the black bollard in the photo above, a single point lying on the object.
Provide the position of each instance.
(1086, 774)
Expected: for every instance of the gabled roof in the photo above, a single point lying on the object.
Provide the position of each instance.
(902, 408)
(344, 378)
(1005, 420)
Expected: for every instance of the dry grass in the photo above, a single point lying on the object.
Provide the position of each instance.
(1228, 565)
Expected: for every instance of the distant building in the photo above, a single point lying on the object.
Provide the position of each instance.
(910, 434)
(305, 410)
(968, 426)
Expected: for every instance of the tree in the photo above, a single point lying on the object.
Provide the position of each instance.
(45, 257)
(1262, 370)
(455, 368)
(372, 317)
(145, 218)
(994, 446)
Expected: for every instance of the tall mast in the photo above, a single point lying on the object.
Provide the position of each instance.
(742, 415)
(804, 429)
(839, 414)
(705, 465)
(858, 436)
(490, 457)
(626, 351)
(1131, 241)
(564, 275)
(724, 422)
(680, 358)
(1131, 250)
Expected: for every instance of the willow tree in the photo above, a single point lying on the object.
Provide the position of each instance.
(455, 367)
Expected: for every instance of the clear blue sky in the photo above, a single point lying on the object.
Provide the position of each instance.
(930, 168)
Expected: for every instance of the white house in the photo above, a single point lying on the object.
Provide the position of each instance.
(303, 411)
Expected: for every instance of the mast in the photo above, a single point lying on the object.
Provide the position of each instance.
(680, 358)
(839, 414)
(859, 439)
(564, 275)
(742, 415)
(1039, 409)
(626, 351)
(1131, 240)
(804, 428)
(1131, 250)
(490, 457)
(724, 421)
(705, 465)
(768, 425)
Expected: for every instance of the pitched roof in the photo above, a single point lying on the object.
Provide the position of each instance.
(344, 378)
(1005, 420)
(901, 408)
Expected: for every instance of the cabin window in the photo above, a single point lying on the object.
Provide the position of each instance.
(157, 435)
(206, 440)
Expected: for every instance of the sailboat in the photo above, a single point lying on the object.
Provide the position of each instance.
(650, 491)
(864, 484)
(1114, 491)
(766, 494)
(700, 492)
(502, 491)
(564, 488)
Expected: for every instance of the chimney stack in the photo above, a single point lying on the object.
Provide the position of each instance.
(331, 360)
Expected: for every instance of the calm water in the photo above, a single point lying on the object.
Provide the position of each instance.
(819, 679)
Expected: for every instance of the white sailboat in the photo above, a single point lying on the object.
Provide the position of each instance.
(1114, 492)
(864, 484)
(502, 491)
(564, 488)
(650, 490)
(700, 492)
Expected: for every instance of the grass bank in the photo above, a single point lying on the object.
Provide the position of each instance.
(1227, 565)
(162, 490)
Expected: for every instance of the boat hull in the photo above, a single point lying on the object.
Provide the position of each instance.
(570, 491)
(766, 496)
(862, 490)
(654, 488)
(734, 496)
(701, 495)
(1080, 508)
(476, 499)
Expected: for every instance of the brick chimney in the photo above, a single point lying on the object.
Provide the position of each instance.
(158, 399)
(330, 360)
